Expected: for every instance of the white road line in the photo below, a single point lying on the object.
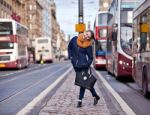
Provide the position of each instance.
(19, 71)
(23, 70)
(121, 102)
(42, 95)
(38, 82)
(8, 74)
(31, 72)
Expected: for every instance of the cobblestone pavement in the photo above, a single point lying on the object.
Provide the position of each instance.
(64, 101)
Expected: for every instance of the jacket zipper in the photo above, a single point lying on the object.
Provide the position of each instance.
(77, 57)
(76, 62)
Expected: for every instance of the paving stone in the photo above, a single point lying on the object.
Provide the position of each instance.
(64, 101)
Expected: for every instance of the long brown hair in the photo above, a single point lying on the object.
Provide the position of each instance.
(92, 33)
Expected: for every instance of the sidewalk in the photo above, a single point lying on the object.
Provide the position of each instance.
(64, 101)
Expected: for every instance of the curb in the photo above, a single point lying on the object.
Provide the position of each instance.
(28, 108)
(118, 98)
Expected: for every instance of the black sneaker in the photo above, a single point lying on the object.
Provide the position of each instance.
(79, 104)
(96, 100)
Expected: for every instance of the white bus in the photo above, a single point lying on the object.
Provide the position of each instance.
(43, 49)
(13, 44)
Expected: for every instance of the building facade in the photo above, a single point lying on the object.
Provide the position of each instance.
(61, 44)
(34, 20)
(13, 9)
(46, 21)
(55, 26)
(40, 18)
(50, 25)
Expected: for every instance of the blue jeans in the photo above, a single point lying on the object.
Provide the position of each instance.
(82, 91)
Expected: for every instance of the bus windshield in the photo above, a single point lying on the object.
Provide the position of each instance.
(126, 31)
(40, 41)
(103, 32)
(6, 45)
(100, 47)
(5, 28)
(102, 19)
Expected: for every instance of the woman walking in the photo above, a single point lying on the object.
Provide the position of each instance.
(81, 55)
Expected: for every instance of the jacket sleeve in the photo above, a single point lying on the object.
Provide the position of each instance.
(90, 55)
(70, 49)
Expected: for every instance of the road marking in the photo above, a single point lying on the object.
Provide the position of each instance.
(121, 102)
(31, 72)
(42, 95)
(19, 71)
(30, 86)
(28, 69)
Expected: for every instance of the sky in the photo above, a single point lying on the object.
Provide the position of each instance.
(67, 14)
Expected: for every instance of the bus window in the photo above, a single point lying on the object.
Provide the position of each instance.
(114, 36)
(46, 50)
(102, 19)
(43, 41)
(143, 32)
(103, 33)
(39, 50)
(126, 31)
(143, 41)
(5, 28)
(149, 30)
(6, 45)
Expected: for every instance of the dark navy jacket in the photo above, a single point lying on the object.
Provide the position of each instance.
(81, 58)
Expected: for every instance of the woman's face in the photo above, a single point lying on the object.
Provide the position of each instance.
(87, 35)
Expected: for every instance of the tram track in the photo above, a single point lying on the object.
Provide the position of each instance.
(29, 69)
(27, 72)
(30, 86)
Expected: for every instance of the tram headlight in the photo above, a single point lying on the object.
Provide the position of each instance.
(127, 64)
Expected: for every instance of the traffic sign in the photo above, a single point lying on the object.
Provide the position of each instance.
(80, 27)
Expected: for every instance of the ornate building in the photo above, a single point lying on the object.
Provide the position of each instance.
(38, 15)
(27, 12)
(46, 18)
(34, 19)
(55, 26)
(50, 26)
(61, 44)
(13, 9)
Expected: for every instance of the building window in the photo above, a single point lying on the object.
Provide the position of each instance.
(30, 7)
(30, 16)
(30, 26)
(1, 1)
(34, 7)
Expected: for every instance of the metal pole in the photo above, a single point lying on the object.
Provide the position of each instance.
(81, 11)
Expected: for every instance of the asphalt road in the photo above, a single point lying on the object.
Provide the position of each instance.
(19, 87)
(130, 93)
